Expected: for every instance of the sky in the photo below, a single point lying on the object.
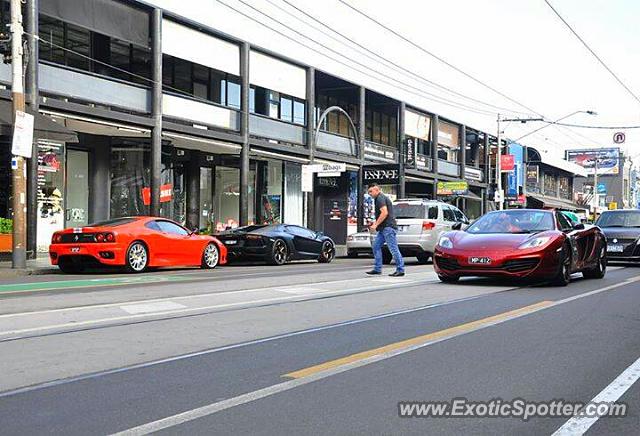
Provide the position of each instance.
(519, 48)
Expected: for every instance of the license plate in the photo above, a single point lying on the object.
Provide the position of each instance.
(615, 248)
(480, 260)
(75, 249)
(230, 242)
(402, 228)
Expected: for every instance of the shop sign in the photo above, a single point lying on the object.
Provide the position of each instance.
(328, 168)
(423, 162)
(166, 194)
(22, 135)
(613, 205)
(307, 178)
(379, 152)
(411, 152)
(381, 174)
(507, 162)
(533, 174)
(473, 174)
(452, 188)
(328, 182)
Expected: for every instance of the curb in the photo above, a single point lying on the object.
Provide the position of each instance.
(21, 272)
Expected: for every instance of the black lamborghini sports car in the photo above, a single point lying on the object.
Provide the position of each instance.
(277, 244)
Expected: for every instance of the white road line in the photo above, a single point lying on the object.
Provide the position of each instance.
(577, 425)
(160, 306)
(184, 297)
(200, 412)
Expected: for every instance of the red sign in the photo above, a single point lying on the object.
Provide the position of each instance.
(522, 199)
(166, 194)
(507, 162)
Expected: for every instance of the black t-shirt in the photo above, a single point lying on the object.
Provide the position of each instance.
(381, 201)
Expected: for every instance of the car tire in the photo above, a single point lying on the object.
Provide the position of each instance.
(210, 256)
(327, 253)
(70, 266)
(449, 279)
(137, 257)
(423, 258)
(352, 254)
(386, 257)
(599, 271)
(279, 253)
(563, 277)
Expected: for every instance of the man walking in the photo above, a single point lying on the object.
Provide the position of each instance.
(386, 226)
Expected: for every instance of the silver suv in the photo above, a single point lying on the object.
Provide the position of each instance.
(420, 224)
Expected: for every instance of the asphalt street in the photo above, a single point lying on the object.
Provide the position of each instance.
(310, 349)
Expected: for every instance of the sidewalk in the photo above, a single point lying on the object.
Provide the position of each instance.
(41, 265)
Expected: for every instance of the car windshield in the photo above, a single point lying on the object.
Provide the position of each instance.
(113, 223)
(619, 219)
(408, 210)
(513, 221)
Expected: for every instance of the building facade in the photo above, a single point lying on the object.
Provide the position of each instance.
(156, 114)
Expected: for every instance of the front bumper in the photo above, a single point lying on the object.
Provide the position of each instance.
(540, 264)
(104, 253)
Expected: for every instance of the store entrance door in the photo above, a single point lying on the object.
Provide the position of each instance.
(77, 185)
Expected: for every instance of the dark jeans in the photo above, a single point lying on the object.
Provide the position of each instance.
(388, 235)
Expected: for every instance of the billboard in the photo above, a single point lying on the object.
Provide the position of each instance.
(606, 159)
(452, 188)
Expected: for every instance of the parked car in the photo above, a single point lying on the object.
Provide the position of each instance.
(277, 244)
(420, 224)
(135, 243)
(359, 243)
(622, 230)
(522, 243)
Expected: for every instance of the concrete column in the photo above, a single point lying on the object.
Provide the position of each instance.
(402, 150)
(156, 111)
(31, 82)
(311, 146)
(100, 178)
(362, 128)
(487, 171)
(435, 123)
(193, 191)
(244, 132)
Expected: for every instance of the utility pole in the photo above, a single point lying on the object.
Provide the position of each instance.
(499, 169)
(596, 194)
(19, 201)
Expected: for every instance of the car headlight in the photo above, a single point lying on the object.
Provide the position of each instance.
(535, 242)
(445, 242)
(350, 238)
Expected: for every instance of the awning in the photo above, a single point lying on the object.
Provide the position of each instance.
(44, 127)
(552, 202)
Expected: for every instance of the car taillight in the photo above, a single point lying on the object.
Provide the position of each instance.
(110, 237)
(56, 238)
(99, 237)
(428, 225)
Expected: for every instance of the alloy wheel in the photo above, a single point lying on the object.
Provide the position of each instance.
(211, 256)
(137, 257)
(279, 252)
(328, 252)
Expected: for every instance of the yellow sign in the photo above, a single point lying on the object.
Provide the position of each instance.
(452, 188)
(613, 205)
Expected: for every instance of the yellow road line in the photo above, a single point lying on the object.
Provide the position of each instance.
(467, 327)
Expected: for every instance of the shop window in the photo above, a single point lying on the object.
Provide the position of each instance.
(52, 40)
(393, 132)
(201, 82)
(384, 129)
(77, 41)
(369, 125)
(377, 126)
(182, 75)
(233, 92)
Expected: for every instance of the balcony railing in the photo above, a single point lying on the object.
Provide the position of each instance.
(448, 168)
(380, 152)
(199, 112)
(270, 128)
(424, 162)
(93, 88)
(336, 143)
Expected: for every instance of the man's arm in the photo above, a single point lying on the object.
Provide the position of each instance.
(383, 215)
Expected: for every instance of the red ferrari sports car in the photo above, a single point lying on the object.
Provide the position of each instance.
(521, 243)
(135, 243)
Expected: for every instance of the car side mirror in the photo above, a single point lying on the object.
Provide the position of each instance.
(578, 226)
(456, 226)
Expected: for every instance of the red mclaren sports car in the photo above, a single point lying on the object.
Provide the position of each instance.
(519, 243)
(135, 243)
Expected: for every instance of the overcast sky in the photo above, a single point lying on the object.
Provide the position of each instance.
(518, 47)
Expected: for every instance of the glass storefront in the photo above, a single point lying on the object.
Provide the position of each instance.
(226, 203)
(51, 178)
(270, 192)
(293, 196)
